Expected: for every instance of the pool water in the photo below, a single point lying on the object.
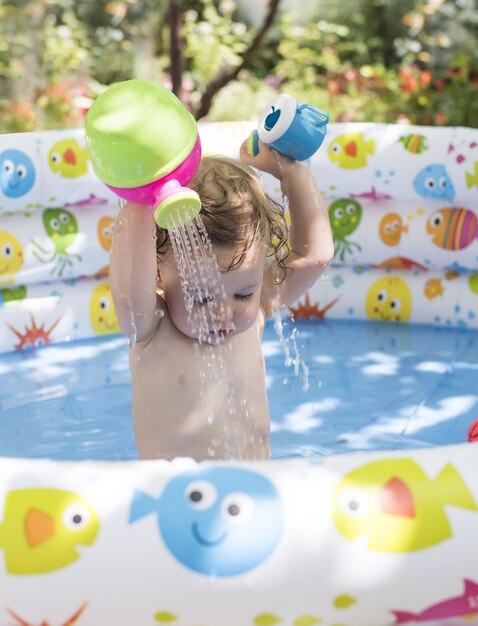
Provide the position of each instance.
(371, 386)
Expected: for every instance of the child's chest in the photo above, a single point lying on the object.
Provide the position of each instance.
(177, 365)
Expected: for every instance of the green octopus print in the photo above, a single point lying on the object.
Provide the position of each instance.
(345, 215)
(62, 228)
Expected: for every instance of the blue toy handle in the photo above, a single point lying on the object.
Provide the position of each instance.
(313, 115)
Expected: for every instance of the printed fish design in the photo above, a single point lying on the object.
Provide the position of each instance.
(416, 144)
(401, 262)
(67, 158)
(465, 605)
(389, 299)
(472, 177)
(42, 527)
(433, 288)
(397, 505)
(433, 181)
(92, 200)
(453, 228)
(373, 194)
(350, 151)
(11, 257)
(391, 228)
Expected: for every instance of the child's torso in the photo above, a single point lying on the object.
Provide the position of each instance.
(201, 401)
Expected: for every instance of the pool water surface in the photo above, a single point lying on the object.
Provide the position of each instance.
(371, 386)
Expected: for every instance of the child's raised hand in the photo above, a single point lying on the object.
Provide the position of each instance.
(268, 160)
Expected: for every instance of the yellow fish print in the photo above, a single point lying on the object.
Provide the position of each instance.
(472, 177)
(11, 258)
(389, 299)
(68, 159)
(397, 505)
(102, 311)
(350, 150)
(41, 528)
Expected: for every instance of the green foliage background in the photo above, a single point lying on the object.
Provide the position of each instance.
(361, 60)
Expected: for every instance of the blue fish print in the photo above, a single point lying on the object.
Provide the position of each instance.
(216, 521)
(433, 182)
(17, 173)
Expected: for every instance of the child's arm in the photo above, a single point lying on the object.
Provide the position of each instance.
(311, 241)
(133, 272)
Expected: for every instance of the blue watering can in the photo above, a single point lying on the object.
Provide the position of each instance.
(293, 129)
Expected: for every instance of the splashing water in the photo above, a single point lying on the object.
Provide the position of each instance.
(296, 361)
(200, 280)
(204, 296)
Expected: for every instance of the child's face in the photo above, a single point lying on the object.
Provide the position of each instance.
(236, 311)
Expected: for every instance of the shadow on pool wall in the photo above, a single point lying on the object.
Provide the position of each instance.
(354, 539)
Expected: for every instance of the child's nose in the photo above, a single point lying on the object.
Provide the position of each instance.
(228, 310)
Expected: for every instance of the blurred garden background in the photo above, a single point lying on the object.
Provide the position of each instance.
(412, 61)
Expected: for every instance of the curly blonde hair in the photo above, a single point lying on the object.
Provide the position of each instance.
(236, 211)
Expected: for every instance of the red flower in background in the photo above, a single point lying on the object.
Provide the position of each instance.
(22, 110)
(409, 82)
(333, 87)
(425, 77)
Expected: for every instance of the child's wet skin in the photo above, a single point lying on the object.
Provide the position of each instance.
(216, 399)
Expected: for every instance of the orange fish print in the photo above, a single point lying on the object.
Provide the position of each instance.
(453, 228)
(433, 288)
(391, 229)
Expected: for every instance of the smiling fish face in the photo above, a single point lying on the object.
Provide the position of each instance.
(61, 227)
(230, 520)
(11, 257)
(221, 521)
(434, 182)
(389, 299)
(17, 173)
(102, 311)
(345, 215)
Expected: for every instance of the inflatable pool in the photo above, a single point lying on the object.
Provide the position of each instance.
(371, 538)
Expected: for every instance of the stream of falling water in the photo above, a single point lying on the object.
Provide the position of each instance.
(296, 361)
(201, 284)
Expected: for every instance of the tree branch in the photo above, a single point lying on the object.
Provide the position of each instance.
(176, 53)
(227, 74)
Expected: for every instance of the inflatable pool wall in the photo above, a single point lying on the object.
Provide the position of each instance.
(366, 539)
(403, 206)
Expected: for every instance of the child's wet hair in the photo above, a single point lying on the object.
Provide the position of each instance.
(235, 211)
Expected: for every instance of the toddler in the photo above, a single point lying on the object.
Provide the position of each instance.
(177, 412)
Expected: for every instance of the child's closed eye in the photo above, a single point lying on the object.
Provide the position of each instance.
(248, 296)
(199, 298)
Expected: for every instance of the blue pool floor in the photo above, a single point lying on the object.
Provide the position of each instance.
(371, 386)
